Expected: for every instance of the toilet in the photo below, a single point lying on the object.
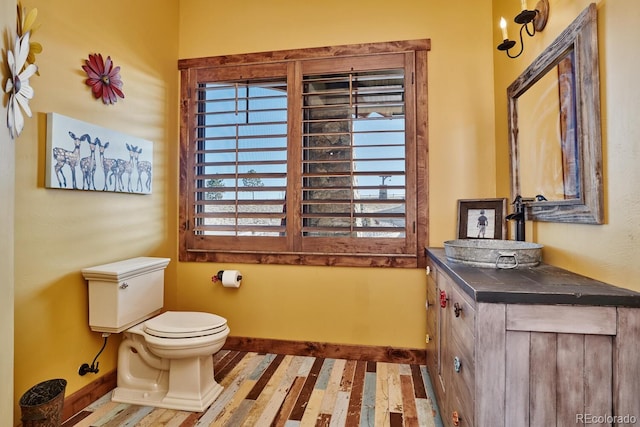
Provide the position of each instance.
(165, 359)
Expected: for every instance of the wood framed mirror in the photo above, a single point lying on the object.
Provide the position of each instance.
(554, 128)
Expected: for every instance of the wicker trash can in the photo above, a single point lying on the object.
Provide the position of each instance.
(41, 405)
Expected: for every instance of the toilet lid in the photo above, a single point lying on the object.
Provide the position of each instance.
(185, 324)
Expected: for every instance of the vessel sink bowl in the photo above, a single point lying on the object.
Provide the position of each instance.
(493, 253)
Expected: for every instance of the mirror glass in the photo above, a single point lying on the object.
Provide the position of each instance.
(554, 129)
(548, 140)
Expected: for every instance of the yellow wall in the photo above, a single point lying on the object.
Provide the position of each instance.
(59, 232)
(7, 188)
(368, 306)
(608, 252)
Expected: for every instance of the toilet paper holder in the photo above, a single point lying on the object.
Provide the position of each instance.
(218, 277)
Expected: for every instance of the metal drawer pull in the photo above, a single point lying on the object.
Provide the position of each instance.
(443, 299)
(455, 418)
(457, 364)
(457, 309)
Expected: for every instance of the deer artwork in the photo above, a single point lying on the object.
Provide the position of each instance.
(108, 165)
(66, 157)
(143, 167)
(88, 166)
(123, 167)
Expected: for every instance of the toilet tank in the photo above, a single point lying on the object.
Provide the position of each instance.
(125, 293)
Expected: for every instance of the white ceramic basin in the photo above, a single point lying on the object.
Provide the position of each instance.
(493, 253)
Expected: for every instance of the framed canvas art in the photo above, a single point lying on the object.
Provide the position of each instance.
(82, 156)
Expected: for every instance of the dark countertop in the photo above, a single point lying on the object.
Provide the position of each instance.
(543, 284)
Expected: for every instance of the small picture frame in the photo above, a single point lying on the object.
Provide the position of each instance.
(482, 218)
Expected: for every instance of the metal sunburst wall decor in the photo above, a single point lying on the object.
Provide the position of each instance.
(21, 65)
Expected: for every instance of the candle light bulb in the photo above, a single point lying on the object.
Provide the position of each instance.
(503, 26)
(523, 3)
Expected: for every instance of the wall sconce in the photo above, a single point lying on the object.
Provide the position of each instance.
(537, 18)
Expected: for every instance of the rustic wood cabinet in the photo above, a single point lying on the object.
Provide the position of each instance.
(531, 347)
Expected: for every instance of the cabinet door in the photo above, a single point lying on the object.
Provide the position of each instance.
(559, 363)
(432, 340)
(452, 370)
(443, 378)
(457, 362)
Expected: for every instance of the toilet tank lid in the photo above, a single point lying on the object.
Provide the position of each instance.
(125, 269)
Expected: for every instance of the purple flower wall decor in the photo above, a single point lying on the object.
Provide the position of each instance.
(103, 78)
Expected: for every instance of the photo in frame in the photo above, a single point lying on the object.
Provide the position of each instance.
(83, 156)
(482, 218)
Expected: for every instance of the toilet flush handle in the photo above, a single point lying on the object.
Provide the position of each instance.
(124, 285)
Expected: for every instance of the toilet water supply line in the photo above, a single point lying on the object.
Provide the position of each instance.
(85, 368)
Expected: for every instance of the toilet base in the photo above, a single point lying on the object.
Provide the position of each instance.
(190, 386)
(159, 399)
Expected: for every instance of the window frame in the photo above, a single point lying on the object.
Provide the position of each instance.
(289, 249)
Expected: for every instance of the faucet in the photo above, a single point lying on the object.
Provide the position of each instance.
(518, 216)
(518, 213)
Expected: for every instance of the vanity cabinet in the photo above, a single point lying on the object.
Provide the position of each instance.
(531, 347)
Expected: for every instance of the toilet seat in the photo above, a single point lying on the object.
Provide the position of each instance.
(185, 324)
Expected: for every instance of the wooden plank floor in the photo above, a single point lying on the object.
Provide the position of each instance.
(291, 391)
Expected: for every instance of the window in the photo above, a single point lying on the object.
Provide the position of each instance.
(313, 156)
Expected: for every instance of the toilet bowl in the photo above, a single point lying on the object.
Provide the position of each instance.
(164, 360)
(167, 361)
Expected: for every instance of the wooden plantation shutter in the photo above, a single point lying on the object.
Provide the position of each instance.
(355, 146)
(297, 158)
(241, 158)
